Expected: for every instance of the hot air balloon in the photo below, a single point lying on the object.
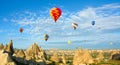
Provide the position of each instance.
(46, 36)
(93, 23)
(21, 30)
(55, 13)
(74, 25)
(69, 42)
(111, 43)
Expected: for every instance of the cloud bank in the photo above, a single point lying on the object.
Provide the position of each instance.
(106, 17)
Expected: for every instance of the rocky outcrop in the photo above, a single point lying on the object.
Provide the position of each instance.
(116, 57)
(32, 56)
(20, 54)
(82, 57)
(6, 59)
(35, 52)
(87, 57)
(100, 56)
(55, 57)
(9, 48)
(63, 59)
(5, 47)
(1, 46)
(6, 54)
(113, 53)
(77, 56)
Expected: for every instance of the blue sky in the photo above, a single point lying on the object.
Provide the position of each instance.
(34, 18)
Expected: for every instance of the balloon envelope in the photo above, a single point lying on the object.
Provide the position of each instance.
(93, 22)
(55, 13)
(111, 43)
(74, 25)
(46, 36)
(69, 42)
(21, 30)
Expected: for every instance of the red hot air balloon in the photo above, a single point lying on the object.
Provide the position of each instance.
(21, 30)
(55, 13)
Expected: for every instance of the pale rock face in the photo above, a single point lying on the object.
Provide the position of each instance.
(9, 48)
(5, 59)
(11, 63)
(88, 58)
(77, 57)
(5, 47)
(1, 46)
(20, 54)
(35, 52)
(100, 56)
(55, 57)
(63, 58)
(114, 52)
(34, 55)
(82, 57)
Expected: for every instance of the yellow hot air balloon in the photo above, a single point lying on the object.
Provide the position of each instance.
(111, 43)
(69, 42)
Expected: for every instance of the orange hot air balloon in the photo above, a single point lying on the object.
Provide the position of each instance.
(21, 30)
(55, 13)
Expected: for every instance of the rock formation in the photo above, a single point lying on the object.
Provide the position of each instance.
(5, 47)
(116, 57)
(55, 57)
(100, 56)
(32, 56)
(5, 59)
(77, 57)
(35, 53)
(9, 48)
(82, 57)
(20, 54)
(1, 46)
(113, 53)
(63, 59)
(87, 57)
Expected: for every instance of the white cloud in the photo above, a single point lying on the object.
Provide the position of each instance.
(109, 6)
(104, 17)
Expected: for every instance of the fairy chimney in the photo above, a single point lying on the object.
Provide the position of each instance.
(82, 57)
(34, 52)
(77, 57)
(63, 59)
(1, 46)
(9, 48)
(100, 56)
(87, 57)
(55, 58)
(5, 59)
(20, 54)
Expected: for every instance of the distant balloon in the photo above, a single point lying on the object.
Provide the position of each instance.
(46, 36)
(21, 30)
(74, 25)
(93, 23)
(55, 13)
(69, 42)
(111, 43)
